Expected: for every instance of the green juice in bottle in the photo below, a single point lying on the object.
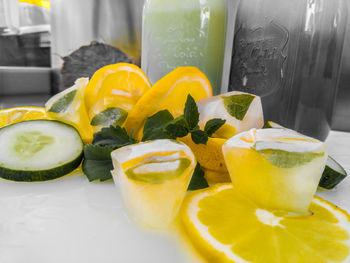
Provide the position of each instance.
(184, 33)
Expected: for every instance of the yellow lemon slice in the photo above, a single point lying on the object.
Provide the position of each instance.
(18, 114)
(169, 93)
(277, 168)
(153, 178)
(215, 177)
(210, 156)
(112, 92)
(227, 227)
(69, 107)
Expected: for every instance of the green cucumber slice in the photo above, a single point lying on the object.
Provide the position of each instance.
(39, 150)
(332, 175)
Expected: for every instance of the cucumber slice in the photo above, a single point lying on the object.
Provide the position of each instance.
(332, 175)
(39, 150)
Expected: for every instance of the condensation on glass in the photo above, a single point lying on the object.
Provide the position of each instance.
(289, 53)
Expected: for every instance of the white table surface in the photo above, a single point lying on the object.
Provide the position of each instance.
(338, 144)
(71, 220)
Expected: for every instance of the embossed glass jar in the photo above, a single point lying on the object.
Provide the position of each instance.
(289, 53)
(179, 33)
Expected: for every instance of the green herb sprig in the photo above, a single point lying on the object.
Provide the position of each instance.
(162, 125)
(97, 162)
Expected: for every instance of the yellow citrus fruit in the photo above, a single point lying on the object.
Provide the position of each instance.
(18, 114)
(215, 177)
(169, 93)
(241, 111)
(69, 107)
(113, 91)
(210, 156)
(227, 227)
(279, 169)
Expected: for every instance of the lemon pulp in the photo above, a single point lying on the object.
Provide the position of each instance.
(227, 227)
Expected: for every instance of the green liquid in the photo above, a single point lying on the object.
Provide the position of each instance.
(184, 33)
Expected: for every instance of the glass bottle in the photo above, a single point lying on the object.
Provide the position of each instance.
(184, 33)
(289, 53)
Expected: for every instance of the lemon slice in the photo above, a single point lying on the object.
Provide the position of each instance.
(215, 177)
(18, 114)
(227, 227)
(112, 92)
(153, 178)
(210, 156)
(170, 93)
(242, 112)
(277, 168)
(69, 107)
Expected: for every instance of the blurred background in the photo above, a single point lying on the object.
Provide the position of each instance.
(36, 36)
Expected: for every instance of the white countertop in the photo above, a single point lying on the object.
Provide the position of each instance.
(339, 148)
(71, 220)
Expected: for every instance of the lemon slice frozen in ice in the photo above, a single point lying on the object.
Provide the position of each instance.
(68, 106)
(153, 177)
(278, 169)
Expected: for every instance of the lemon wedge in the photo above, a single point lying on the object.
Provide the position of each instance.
(68, 106)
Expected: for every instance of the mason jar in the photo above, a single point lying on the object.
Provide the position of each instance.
(289, 53)
(184, 33)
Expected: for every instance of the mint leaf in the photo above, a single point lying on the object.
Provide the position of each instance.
(180, 121)
(176, 130)
(238, 105)
(63, 103)
(213, 125)
(199, 137)
(155, 126)
(98, 162)
(198, 181)
(284, 159)
(191, 113)
(110, 116)
(114, 137)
